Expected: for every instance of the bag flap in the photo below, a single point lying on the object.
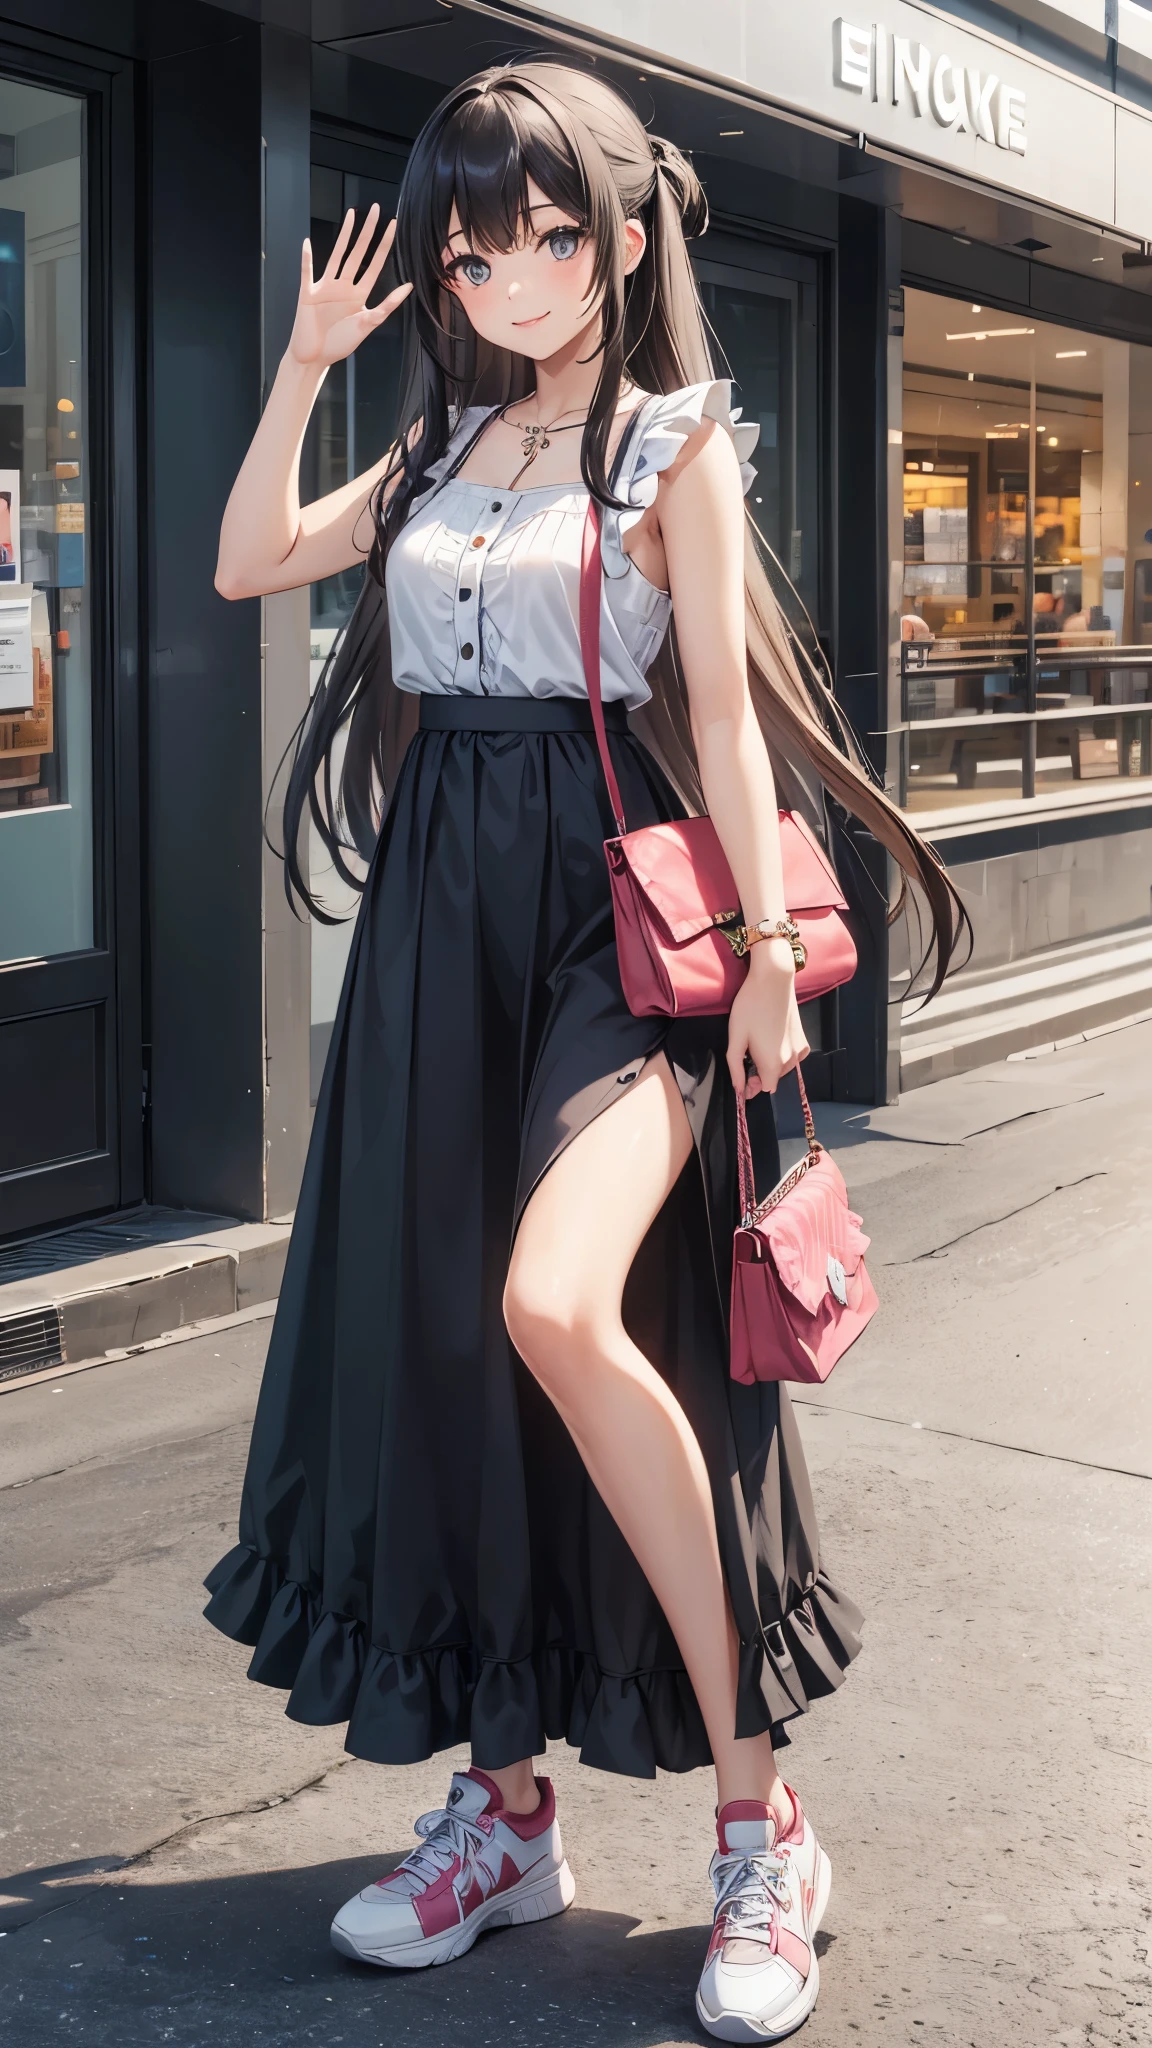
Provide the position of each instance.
(812, 1226)
(682, 871)
(810, 880)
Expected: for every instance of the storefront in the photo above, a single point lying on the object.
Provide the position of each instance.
(928, 270)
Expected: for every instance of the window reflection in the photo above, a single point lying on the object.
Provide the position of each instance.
(1027, 555)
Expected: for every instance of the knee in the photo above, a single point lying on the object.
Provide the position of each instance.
(553, 1328)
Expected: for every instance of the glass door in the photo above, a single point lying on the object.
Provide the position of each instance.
(59, 1150)
(762, 307)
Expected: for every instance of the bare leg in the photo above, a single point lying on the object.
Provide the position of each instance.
(563, 1308)
(517, 1784)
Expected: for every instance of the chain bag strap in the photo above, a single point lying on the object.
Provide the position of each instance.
(752, 1212)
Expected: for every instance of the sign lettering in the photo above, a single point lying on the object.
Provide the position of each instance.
(877, 65)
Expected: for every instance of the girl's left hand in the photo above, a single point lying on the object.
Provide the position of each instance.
(764, 1025)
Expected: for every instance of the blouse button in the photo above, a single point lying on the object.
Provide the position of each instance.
(465, 593)
(467, 650)
(496, 505)
(479, 541)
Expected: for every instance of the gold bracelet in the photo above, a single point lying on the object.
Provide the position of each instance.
(740, 937)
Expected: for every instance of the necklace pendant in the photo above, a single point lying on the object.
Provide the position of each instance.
(528, 448)
(545, 442)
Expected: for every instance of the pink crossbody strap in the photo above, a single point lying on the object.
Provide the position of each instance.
(744, 1149)
(590, 592)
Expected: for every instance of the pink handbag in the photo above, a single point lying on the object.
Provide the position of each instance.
(800, 1290)
(672, 887)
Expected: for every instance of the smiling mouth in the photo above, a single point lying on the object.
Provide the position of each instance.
(534, 322)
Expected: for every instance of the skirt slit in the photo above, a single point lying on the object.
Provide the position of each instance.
(421, 1552)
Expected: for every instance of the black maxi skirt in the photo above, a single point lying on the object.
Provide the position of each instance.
(421, 1551)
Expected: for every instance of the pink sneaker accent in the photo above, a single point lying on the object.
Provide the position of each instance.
(761, 1974)
(477, 1866)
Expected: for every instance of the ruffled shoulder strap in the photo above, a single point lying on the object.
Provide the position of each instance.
(668, 422)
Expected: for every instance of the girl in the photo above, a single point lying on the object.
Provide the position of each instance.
(501, 1488)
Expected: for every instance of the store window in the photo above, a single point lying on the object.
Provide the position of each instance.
(1026, 635)
(46, 786)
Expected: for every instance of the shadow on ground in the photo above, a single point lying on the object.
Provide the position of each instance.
(246, 1960)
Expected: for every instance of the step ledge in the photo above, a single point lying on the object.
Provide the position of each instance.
(1115, 997)
(936, 1062)
(113, 1305)
(208, 1326)
(242, 1243)
(1104, 971)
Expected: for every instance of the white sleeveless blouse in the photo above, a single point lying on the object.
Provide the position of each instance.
(484, 584)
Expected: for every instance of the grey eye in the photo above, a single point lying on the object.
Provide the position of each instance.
(564, 243)
(473, 269)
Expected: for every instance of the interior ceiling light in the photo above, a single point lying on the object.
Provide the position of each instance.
(977, 309)
(1052, 441)
(1063, 354)
(997, 434)
(989, 333)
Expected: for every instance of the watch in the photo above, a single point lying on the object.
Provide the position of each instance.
(740, 937)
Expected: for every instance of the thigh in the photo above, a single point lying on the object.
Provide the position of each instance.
(584, 1224)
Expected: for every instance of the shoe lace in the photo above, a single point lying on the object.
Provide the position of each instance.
(750, 1890)
(446, 1837)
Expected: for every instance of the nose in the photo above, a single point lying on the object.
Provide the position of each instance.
(514, 287)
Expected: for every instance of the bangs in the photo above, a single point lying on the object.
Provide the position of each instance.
(487, 153)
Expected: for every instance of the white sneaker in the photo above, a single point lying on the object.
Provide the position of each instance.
(476, 1867)
(761, 1975)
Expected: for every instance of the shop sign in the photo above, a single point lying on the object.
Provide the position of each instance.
(912, 79)
(906, 73)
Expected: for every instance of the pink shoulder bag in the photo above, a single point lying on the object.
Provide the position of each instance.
(800, 1290)
(672, 889)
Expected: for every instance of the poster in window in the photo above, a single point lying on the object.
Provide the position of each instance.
(9, 526)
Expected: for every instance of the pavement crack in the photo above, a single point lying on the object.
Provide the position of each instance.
(204, 1820)
(964, 1436)
(116, 1867)
(101, 1459)
(993, 1222)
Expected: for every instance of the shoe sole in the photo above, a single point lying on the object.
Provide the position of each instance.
(737, 2026)
(539, 1900)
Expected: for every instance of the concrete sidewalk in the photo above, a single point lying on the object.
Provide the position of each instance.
(981, 1463)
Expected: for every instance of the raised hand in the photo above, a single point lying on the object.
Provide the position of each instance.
(332, 313)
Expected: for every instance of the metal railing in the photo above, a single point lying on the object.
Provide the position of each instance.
(1074, 705)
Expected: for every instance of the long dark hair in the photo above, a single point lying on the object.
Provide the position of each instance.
(583, 145)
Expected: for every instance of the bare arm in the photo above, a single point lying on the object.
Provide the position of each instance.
(700, 512)
(267, 541)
